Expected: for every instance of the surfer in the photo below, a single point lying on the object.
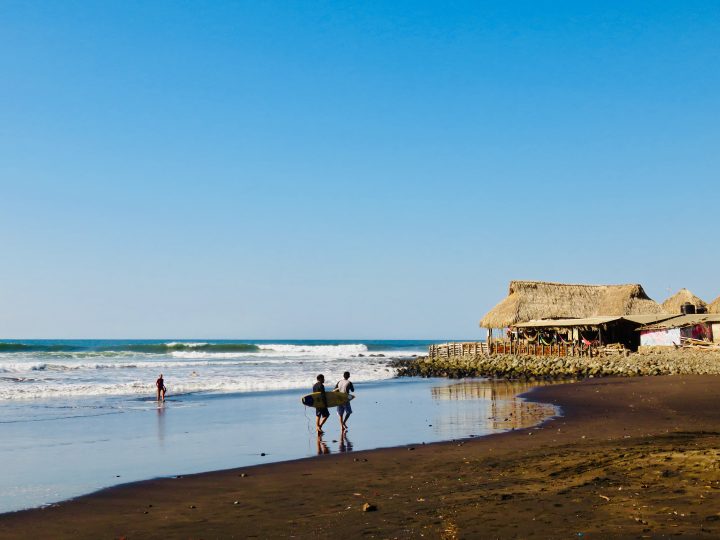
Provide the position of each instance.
(322, 413)
(345, 410)
(160, 384)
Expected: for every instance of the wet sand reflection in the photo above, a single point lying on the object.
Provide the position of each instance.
(345, 445)
(496, 407)
(161, 424)
(322, 447)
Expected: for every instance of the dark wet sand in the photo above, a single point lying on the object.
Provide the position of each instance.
(631, 458)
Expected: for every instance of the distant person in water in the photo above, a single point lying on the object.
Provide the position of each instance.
(321, 414)
(344, 411)
(160, 384)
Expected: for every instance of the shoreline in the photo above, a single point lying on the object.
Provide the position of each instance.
(124, 442)
(620, 443)
(525, 395)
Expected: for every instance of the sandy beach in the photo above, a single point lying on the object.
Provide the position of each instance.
(630, 458)
(130, 440)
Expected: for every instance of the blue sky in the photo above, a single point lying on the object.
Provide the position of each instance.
(347, 170)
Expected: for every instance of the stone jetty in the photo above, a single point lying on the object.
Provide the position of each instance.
(671, 362)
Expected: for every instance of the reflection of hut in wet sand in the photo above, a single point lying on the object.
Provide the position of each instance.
(684, 302)
(490, 389)
(507, 411)
(566, 319)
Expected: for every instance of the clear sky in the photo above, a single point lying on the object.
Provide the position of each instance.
(347, 169)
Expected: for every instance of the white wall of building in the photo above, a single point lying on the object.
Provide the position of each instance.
(654, 338)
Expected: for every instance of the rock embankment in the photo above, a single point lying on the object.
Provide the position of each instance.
(676, 362)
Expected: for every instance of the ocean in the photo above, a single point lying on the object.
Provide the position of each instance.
(78, 416)
(107, 370)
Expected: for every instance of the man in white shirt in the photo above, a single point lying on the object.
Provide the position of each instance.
(344, 411)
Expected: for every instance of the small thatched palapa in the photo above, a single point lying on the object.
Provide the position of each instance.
(672, 304)
(714, 306)
(530, 300)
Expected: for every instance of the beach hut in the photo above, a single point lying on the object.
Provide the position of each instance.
(714, 308)
(683, 297)
(680, 330)
(578, 332)
(593, 309)
(595, 331)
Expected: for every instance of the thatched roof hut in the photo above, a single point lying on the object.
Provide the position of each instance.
(714, 306)
(672, 304)
(529, 300)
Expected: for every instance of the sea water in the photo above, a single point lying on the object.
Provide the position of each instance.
(102, 369)
(77, 416)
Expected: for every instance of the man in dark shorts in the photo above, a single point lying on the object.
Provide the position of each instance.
(321, 414)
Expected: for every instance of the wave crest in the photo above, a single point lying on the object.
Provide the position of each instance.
(153, 348)
(189, 345)
(339, 351)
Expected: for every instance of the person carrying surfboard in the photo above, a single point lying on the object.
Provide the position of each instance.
(321, 413)
(345, 410)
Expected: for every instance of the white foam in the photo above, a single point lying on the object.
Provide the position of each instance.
(211, 355)
(337, 351)
(252, 381)
(272, 367)
(210, 360)
(22, 367)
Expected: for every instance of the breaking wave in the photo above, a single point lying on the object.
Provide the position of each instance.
(340, 350)
(158, 348)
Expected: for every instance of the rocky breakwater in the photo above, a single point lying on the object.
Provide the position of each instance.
(673, 362)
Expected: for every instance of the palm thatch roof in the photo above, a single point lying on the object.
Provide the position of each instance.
(672, 304)
(529, 300)
(714, 306)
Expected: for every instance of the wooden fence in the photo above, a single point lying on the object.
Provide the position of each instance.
(540, 349)
(446, 350)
